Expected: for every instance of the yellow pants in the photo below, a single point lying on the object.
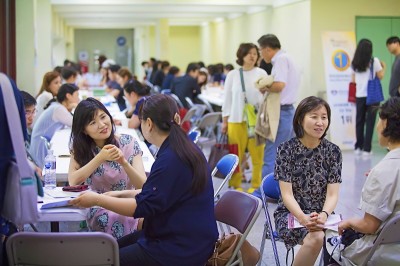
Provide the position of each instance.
(237, 134)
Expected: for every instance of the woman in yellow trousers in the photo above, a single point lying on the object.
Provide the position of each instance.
(234, 119)
(237, 134)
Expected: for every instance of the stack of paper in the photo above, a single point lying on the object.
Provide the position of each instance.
(332, 222)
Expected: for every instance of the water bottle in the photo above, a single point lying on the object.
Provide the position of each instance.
(50, 171)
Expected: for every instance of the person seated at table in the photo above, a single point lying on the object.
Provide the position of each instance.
(176, 200)
(55, 116)
(172, 73)
(160, 74)
(30, 112)
(380, 198)
(114, 89)
(49, 89)
(69, 74)
(123, 76)
(106, 162)
(135, 92)
(186, 86)
(308, 168)
(202, 79)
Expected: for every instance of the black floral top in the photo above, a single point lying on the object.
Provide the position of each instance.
(310, 171)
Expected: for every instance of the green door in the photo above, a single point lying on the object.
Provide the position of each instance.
(378, 30)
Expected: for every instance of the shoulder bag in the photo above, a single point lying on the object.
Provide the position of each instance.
(20, 199)
(374, 88)
(250, 110)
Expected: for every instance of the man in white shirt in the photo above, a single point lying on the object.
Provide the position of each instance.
(286, 81)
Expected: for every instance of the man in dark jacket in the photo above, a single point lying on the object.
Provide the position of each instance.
(186, 86)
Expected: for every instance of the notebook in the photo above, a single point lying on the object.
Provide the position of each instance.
(332, 222)
(56, 204)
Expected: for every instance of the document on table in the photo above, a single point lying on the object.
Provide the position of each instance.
(332, 222)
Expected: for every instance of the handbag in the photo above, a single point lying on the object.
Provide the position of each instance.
(225, 246)
(352, 92)
(219, 150)
(374, 88)
(250, 110)
(20, 199)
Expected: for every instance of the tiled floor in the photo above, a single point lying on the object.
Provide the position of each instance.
(353, 175)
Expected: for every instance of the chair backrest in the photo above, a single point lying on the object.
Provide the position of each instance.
(239, 210)
(270, 187)
(178, 101)
(208, 123)
(389, 234)
(226, 166)
(194, 135)
(207, 103)
(189, 102)
(34, 248)
(189, 114)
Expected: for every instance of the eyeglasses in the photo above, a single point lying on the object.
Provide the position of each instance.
(31, 112)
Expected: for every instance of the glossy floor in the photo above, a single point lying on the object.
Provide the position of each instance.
(354, 172)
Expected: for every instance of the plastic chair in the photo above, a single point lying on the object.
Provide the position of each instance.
(238, 210)
(206, 103)
(189, 114)
(390, 234)
(74, 249)
(207, 126)
(270, 194)
(178, 101)
(226, 166)
(194, 135)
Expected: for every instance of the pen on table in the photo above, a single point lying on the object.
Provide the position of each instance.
(40, 201)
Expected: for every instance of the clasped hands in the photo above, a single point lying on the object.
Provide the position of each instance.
(112, 153)
(314, 222)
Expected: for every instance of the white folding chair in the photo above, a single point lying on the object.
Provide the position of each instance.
(56, 249)
(207, 126)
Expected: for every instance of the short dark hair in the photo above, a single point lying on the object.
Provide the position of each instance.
(192, 67)
(305, 106)
(164, 64)
(269, 40)
(29, 100)
(229, 67)
(173, 70)
(393, 39)
(66, 88)
(243, 50)
(390, 111)
(114, 68)
(67, 72)
(137, 87)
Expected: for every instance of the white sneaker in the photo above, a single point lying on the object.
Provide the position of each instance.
(357, 151)
(366, 154)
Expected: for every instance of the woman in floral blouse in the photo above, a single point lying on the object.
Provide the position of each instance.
(106, 162)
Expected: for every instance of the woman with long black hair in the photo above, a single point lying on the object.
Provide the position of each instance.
(176, 200)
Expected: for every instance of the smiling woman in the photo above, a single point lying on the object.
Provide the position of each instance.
(308, 168)
(106, 162)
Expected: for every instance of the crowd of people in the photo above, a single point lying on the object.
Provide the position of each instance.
(167, 217)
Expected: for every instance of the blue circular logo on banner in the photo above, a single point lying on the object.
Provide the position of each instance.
(121, 40)
(340, 60)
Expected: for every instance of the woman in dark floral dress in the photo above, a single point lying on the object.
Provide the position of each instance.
(308, 168)
(108, 163)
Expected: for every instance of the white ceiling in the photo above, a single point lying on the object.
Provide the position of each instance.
(133, 13)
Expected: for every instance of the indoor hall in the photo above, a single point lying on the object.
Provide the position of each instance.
(46, 32)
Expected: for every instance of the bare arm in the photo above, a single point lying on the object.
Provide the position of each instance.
(290, 202)
(276, 86)
(380, 74)
(224, 128)
(77, 175)
(123, 193)
(135, 171)
(123, 206)
(115, 93)
(353, 78)
(369, 224)
(134, 122)
(332, 196)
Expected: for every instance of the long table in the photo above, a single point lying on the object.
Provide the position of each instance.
(60, 142)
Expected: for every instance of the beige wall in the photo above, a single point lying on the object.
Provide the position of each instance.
(340, 15)
(291, 24)
(104, 40)
(184, 46)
